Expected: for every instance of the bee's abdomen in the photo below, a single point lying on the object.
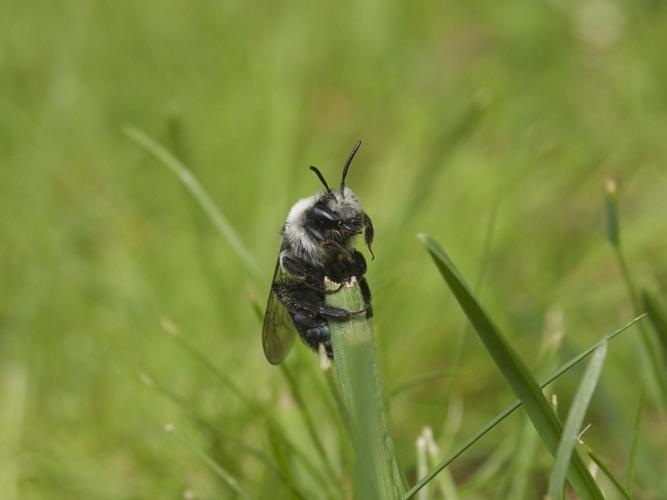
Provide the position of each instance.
(314, 331)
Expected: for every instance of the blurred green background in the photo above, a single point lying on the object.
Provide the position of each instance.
(528, 107)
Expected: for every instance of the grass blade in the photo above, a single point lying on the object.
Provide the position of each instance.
(175, 334)
(607, 472)
(327, 369)
(611, 200)
(658, 318)
(447, 485)
(219, 470)
(188, 408)
(311, 427)
(513, 407)
(648, 355)
(575, 418)
(422, 467)
(420, 380)
(635, 439)
(514, 370)
(376, 470)
(192, 184)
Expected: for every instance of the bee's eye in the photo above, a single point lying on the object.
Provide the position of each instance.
(324, 215)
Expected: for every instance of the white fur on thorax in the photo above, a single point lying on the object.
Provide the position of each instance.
(298, 238)
(302, 243)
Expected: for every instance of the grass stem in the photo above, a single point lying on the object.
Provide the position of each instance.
(376, 469)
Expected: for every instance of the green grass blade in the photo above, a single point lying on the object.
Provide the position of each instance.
(607, 472)
(575, 418)
(513, 407)
(447, 484)
(422, 466)
(188, 408)
(649, 357)
(658, 317)
(635, 439)
(376, 470)
(479, 281)
(192, 184)
(514, 370)
(311, 427)
(327, 369)
(420, 380)
(222, 377)
(219, 470)
(523, 463)
(611, 199)
(517, 483)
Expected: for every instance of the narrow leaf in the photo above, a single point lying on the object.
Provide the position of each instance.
(219, 470)
(420, 380)
(611, 198)
(376, 470)
(422, 467)
(607, 472)
(309, 421)
(192, 184)
(513, 369)
(635, 439)
(658, 317)
(574, 420)
(512, 408)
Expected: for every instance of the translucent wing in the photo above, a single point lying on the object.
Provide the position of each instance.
(279, 332)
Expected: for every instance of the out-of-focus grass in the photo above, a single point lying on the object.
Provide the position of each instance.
(457, 104)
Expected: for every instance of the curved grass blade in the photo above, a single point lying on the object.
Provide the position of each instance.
(513, 407)
(222, 377)
(219, 470)
(658, 317)
(649, 356)
(422, 467)
(196, 417)
(420, 380)
(192, 184)
(575, 418)
(514, 370)
(635, 439)
(607, 472)
(311, 426)
(447, 484)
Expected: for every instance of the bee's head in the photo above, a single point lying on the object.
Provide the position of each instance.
(338, 215)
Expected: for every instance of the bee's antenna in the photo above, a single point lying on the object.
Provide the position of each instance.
(347, 165)
(321, 177)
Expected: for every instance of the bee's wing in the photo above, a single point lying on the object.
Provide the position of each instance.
(278, 332)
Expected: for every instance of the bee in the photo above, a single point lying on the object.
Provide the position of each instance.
(317, 242)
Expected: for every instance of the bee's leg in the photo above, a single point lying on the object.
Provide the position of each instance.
(332, 312)
(311, 303)
(358, 266)
(298, 298)
(366, 294)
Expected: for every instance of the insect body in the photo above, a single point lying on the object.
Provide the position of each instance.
(317, 242)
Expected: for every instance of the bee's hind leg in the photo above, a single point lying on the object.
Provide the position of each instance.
(366, 294)
(338, 313)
